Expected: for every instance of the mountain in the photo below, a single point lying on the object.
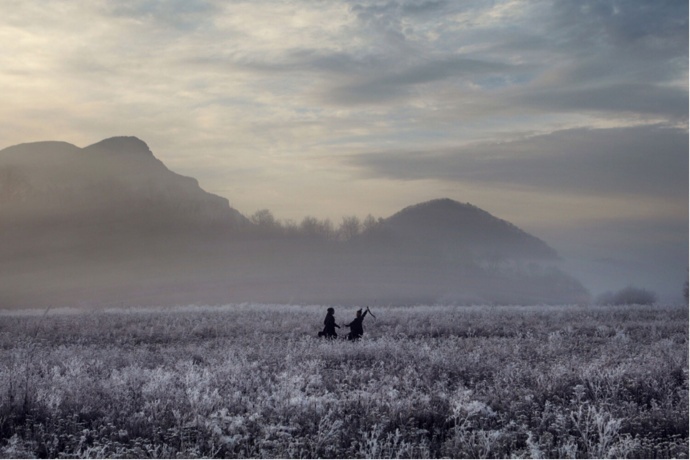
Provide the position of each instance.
(110, 224)
(446, 225)
(103, 224)
(117, 184)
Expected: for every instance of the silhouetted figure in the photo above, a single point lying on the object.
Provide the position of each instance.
(329, 325)
(356, 328)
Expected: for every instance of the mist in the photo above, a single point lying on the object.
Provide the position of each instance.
(110, 224)
(611, 255)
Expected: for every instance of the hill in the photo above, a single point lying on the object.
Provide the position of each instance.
(116, 183)
(448, 225)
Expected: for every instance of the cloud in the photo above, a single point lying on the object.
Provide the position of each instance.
(612, 57)
(627, 58)
(637, 26)
(639, 161)
(392, 55)
(389, 84)
(182, 15)
(621, 98)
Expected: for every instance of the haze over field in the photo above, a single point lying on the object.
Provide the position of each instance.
(110, 224)
(568, 119)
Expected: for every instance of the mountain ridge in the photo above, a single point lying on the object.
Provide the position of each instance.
(120, 145)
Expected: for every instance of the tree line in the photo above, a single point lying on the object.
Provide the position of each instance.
(350, 227)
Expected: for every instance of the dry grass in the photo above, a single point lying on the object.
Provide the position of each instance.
(254, 381)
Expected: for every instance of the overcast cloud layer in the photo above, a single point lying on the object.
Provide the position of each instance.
(567, 118)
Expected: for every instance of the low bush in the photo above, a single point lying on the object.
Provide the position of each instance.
(628, 296)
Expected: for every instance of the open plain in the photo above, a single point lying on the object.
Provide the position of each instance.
(253, 380)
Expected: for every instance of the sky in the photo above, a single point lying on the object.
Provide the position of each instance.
(568, 118)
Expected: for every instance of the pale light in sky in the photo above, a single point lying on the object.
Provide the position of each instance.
(567, 118)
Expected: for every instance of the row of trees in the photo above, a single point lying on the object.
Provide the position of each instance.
(310, 227)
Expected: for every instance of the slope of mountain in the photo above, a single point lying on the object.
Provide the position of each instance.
(450, 226)
(116, 182)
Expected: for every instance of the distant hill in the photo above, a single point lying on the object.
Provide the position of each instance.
(116, 183)
(448, 225)
(109, 224)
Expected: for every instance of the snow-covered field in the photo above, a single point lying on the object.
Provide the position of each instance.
(254, 381)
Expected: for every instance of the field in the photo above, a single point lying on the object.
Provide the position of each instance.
(425, 382)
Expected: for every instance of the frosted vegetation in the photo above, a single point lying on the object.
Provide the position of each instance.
(425, 382)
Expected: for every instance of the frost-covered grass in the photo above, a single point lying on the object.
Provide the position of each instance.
(254, 381)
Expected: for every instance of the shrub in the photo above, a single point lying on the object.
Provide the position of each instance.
(628, 296)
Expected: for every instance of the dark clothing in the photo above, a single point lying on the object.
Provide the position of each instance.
(356, 329)
(329, 326)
